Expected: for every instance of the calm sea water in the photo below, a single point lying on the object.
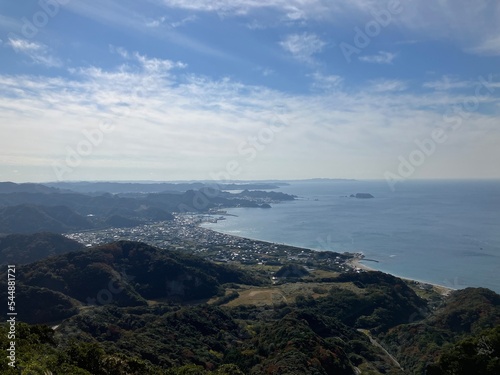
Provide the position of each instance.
(444, 232)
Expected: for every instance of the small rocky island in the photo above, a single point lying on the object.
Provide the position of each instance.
(362, 196)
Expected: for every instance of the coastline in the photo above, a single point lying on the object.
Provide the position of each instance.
(451, 253)
(356, 264)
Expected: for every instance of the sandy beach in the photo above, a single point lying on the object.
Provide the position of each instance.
(356, 264)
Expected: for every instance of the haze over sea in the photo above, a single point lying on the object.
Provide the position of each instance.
(443, 232)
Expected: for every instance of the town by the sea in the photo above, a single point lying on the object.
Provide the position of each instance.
(441, 232)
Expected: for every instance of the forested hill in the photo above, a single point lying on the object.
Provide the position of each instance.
(129, 308)
(35, 208)
(55, 288)
(21, 249)
(461, 337)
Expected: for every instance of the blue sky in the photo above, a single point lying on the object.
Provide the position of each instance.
(247, 89)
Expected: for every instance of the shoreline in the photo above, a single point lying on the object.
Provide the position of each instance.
(355, 263)
(444, 290)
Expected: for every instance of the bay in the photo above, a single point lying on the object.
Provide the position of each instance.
(443, 232)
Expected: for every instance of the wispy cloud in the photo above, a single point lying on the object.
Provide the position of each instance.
(190, 125)
(163, 21)
(447, 83)
(292, 9)
(294, 13)
(381, 58)
(326, 82)
(391, 85)
(37, 52)
(223, 7)
(184, 21)
(469, 24)
(117, 14)
(151, 65)
(156, 22)
(265, 71)
(9, 23)
(488, 47)
(157, 65)
(303, 46)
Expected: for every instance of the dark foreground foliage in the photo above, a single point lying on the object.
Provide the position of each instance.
(158, 321)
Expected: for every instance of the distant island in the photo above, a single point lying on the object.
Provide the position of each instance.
(362, 196)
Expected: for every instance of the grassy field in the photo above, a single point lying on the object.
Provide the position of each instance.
(283, 293)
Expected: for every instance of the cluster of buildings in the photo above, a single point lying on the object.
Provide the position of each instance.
(184, 233)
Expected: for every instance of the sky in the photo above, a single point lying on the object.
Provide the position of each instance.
(164, 90)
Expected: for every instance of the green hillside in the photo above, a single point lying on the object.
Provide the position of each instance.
(130, 308)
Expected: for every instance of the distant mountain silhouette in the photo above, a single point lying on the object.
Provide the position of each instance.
(10, 187)
(143, 205)
(30, 208)
(28, 218)
(22, 249)
(156, 187)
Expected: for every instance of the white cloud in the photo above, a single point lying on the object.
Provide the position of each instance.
(294, 13)
(120, 51)
(303, 46)
(473, 26)
(183, 126)
(489, 47)
(156, 22)
(220, 6)
(115, 13)
(293, 9)
(39, 53)
(447, 83)
(22, 45)
(326, 82)
(154, 65)
(151, 65)
(383, 85)
(171, 25)
(470, 24)
(381, 58)
(191, 18)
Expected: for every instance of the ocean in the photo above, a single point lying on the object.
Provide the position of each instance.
(442, 232)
